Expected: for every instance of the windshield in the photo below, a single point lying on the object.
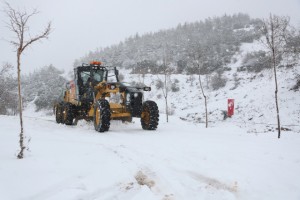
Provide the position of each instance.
(98, 75)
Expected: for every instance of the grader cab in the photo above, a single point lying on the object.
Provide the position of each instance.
(91, 97)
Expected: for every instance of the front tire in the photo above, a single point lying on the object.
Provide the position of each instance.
(102, 116)
(150, 115)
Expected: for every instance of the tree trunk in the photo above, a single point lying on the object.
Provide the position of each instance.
(21, 140)
(275, 75)
(276, 95)
(166, 98)
(167, 110)
(205, 100)
(206, 115)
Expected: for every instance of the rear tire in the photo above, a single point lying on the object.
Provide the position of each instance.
(67, 114)
(150, 115)
(102, 115)
(58, 113)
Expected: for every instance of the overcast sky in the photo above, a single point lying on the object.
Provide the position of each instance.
(82, 26)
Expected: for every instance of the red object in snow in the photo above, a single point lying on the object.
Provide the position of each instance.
(230, 107)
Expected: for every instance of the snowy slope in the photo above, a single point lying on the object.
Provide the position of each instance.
(180, 160)
(253, 95)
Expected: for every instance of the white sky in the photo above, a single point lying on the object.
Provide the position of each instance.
(82, 26)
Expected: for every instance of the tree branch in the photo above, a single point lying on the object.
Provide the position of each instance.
(45, 34)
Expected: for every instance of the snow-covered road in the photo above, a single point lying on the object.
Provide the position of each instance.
(178, 161)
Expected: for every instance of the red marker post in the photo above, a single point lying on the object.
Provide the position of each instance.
(230, 107)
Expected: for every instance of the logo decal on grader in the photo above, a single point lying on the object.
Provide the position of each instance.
(85, 97)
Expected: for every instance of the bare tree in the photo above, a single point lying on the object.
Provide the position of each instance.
(198, 53)
(18, 25)
(274, 31)
(166, 71)
(204, 96)
(165, 87)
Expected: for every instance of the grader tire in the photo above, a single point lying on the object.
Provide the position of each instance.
(150, 115)
(58, 114)
(67, 114)
(102, 116)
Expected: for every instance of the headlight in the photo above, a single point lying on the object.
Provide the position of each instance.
(112, 87)
(136, 95)
(128, 97)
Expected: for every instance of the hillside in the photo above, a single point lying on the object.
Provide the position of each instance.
(253, 94)
(217, 38)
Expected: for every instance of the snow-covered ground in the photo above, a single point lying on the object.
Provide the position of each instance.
(180, 160)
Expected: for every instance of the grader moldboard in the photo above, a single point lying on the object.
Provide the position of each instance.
(86, 97)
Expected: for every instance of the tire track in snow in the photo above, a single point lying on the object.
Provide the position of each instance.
(145, 173)
(121, 189)
(214, 182)
(155, 177)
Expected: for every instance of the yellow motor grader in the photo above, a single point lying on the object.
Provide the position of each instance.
(91, 97)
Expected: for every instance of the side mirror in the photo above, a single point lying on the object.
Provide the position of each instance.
(147, 89)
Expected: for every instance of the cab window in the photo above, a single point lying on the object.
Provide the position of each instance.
(99, 75)
(84, 77)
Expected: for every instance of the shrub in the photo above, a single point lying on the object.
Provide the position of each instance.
(297, 85)
(174, 87)
(218, 81)
(256, 62)
(159, 84)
